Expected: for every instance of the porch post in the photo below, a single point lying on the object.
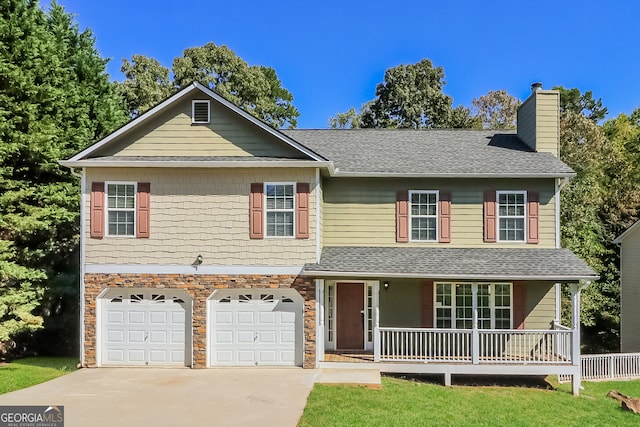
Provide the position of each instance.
(319, 320)
(376, 321)
(575, 337)
(475, 335)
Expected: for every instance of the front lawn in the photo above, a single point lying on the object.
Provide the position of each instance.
(403, 402)
(30, 371)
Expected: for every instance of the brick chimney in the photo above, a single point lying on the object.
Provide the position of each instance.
(538, 120)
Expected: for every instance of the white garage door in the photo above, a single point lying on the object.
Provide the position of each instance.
(251, 327)
(145, 327)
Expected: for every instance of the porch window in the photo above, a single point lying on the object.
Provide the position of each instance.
(511, 215)
(280, 209)
(454, 305)
(424, 215)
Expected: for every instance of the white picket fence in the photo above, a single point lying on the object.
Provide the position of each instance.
(611, 366)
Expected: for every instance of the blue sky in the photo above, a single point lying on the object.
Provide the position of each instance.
(331, 54)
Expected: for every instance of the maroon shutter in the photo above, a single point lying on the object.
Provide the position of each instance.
(490, 216)
(444, 217)
(533, 225)
(302, 210)
(426, 312)
(96, 215)
(256, 208)
(143, 217)
(402, 217)
(519, 304)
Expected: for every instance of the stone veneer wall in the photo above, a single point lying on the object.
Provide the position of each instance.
(199, 288)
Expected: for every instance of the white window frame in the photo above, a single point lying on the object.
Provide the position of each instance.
(474, 290)
(267, 210)
(108, 209)
(411, 216)
(193, 111)
(523, 217)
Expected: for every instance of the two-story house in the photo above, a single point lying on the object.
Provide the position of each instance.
(210, 239)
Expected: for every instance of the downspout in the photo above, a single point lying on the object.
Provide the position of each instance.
(83, 186)
(559, 186)
(318, 216)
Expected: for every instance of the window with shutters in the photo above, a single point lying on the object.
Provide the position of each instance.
(454, 305)
(200, 111)
(511, 216)
(424, 215)
(280, 209)
(121, 208)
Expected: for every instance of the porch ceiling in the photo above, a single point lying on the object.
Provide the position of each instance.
(559, 265)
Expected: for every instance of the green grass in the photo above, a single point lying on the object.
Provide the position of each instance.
(412, 403)
(30, 371)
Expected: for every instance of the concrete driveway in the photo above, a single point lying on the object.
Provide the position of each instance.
(174, 397)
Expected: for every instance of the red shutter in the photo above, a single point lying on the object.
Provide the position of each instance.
(533, 205)
(402, 217)
(302, 210)
(256, 208)
(143, 217)
(96, 215)
(426, 312)
(490, 216)
(519, 304)
(444, 217)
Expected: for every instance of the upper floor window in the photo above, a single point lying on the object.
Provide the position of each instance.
(511, 215)
(200, 111)
(121, 209)
(280, 209)
(424, 215)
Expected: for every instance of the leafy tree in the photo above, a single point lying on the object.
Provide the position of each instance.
(409, 97)
(581, 103)
(497, 109)
(55, 98)
(146, 84)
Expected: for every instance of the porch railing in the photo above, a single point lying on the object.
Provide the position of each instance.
(474, 346)
(607, 366)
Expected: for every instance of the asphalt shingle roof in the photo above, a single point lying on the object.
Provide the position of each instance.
(429, 152)
(452, 263)
(112, 159)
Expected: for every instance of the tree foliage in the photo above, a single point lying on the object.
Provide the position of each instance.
(497, 109)
(410, 97)
(255, 88)
(581, 103)
(55, 98)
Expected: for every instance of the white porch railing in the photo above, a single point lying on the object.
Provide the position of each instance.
(607, 366)
(474, 346)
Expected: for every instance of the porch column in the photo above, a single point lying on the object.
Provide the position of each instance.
(376, 321)
(575, 336)
(475, 335)
(320, 320)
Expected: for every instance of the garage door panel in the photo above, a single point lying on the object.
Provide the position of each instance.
(245, 337)
(224, 356)
(266, 317)
(267, 337)
(267, 357)
(145, 327)
(288, 356)
(287, 337)
(223, 337)
(246, 317)
(287, 317)
(246, 356)
(224, 317)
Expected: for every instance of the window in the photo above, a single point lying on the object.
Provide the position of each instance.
(200, 111)
(121, 209)
(424, 215)
(454, 305)
(511, 216)
(280, 209)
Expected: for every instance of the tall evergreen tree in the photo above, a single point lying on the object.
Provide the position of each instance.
(55, 99)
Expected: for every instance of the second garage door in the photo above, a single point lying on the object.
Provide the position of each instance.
(250, 327)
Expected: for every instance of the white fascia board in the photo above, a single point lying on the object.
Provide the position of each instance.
(628, 231)
(336, 173)
(194, 164)
(191, 269)
(343, 274)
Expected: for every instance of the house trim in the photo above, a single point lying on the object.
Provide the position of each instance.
(473, 277)
(618, 240)
(190, 269)
(113, 163)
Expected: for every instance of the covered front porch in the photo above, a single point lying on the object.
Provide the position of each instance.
(452, 324)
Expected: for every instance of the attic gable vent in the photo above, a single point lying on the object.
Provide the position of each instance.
(200, 111)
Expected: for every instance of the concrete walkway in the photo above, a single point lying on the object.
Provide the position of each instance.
(174, 397)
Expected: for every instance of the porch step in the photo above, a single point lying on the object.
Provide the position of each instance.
(360, 377)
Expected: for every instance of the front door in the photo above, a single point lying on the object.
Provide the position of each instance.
(350, 316)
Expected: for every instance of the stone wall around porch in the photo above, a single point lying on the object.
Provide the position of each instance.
(199, 287)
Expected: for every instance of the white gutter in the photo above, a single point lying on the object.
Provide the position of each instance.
(445, 276)
(194, 164)
(337, 173)
(83, 186)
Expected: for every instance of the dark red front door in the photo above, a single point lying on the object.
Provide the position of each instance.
(350, 317)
